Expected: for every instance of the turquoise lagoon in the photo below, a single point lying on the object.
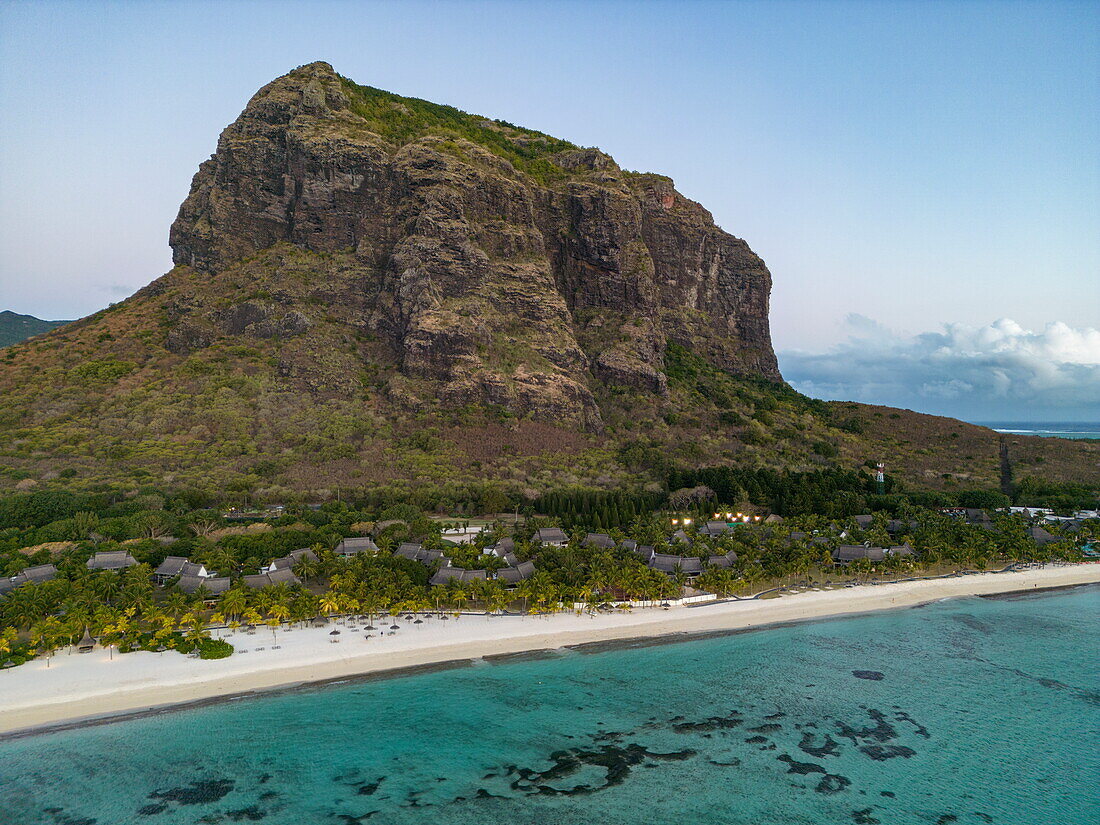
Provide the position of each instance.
(968, 711)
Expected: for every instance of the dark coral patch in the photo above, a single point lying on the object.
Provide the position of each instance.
(870, 675)
(771, 727)
(369, 789)
(249, 814)
(800, 767)
(828, 747)
(710, 724)
(883, 731)
(921, 730)
(616, 761)
(832, 783)
(201, 792)
(880, 753)
(864, 817)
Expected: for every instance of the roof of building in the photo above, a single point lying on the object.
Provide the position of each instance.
(111, 560)
(445, 574)
(668, 564)
(864, 520)
(851, 552)
(725, 560)
(215, 585)
(171, 566)
(288, 561)
(283, 576)
(900, 550)
(39, 573)
(355, 545)
(717, 528)
(599, 540)
(547, 535)
(1040, 535)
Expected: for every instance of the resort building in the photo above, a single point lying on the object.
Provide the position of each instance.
(600, 540)
(512, 576)
(111, 560)
(726, 560)
(288, 561)
(214, 585)
(551, 537)
(261, 580)
(1041, 536)
(31, 575)
(848, 553)
(688, 565)
(416, 552)
(354, 546)
(445, 574)
(174, 566)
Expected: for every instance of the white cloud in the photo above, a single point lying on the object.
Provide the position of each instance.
(999, 371)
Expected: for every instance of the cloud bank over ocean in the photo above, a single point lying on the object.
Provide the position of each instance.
(1001, 371)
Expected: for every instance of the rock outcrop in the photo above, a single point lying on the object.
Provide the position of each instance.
(498, 265)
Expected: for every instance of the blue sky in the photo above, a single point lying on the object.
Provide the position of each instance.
(929, 168)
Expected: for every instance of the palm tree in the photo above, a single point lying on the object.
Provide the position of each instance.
(233, 602)
(330, 603)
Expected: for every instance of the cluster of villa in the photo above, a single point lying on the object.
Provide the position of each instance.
(515, 571)
(191, 576)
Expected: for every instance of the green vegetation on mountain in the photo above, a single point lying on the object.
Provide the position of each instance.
(15, 327)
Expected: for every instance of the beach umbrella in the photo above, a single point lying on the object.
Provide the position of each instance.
(334, 633)
(445, 618)
(409, 618)
(395, 627)
(370, 627)
(419, 621)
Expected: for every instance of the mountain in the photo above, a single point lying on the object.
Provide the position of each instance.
(376, 290)
(15, 327)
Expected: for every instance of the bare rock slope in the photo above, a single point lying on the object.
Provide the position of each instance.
(494, 264)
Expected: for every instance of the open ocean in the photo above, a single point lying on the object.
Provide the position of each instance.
(968, 711)
(1047, 429)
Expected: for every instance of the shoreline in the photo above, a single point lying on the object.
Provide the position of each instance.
(80, 690)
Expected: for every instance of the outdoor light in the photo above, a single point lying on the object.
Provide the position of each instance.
(676, 521)
(687, 521)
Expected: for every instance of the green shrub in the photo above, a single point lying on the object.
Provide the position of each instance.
(215, 649)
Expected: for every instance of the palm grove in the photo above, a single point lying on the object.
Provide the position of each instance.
(124, 608)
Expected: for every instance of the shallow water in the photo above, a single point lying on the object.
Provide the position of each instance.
(969, 711)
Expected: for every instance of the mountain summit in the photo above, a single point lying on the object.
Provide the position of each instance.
(499, 264)
(377, 290)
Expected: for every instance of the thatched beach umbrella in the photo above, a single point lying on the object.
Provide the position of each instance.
(87, 643)
(395, 627)
(419, 621)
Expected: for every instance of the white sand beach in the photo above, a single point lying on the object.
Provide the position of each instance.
(82, 686)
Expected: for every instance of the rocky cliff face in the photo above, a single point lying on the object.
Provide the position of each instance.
(494, 265)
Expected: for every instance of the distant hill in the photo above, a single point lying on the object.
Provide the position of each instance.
(15, 327)
(378, 291)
